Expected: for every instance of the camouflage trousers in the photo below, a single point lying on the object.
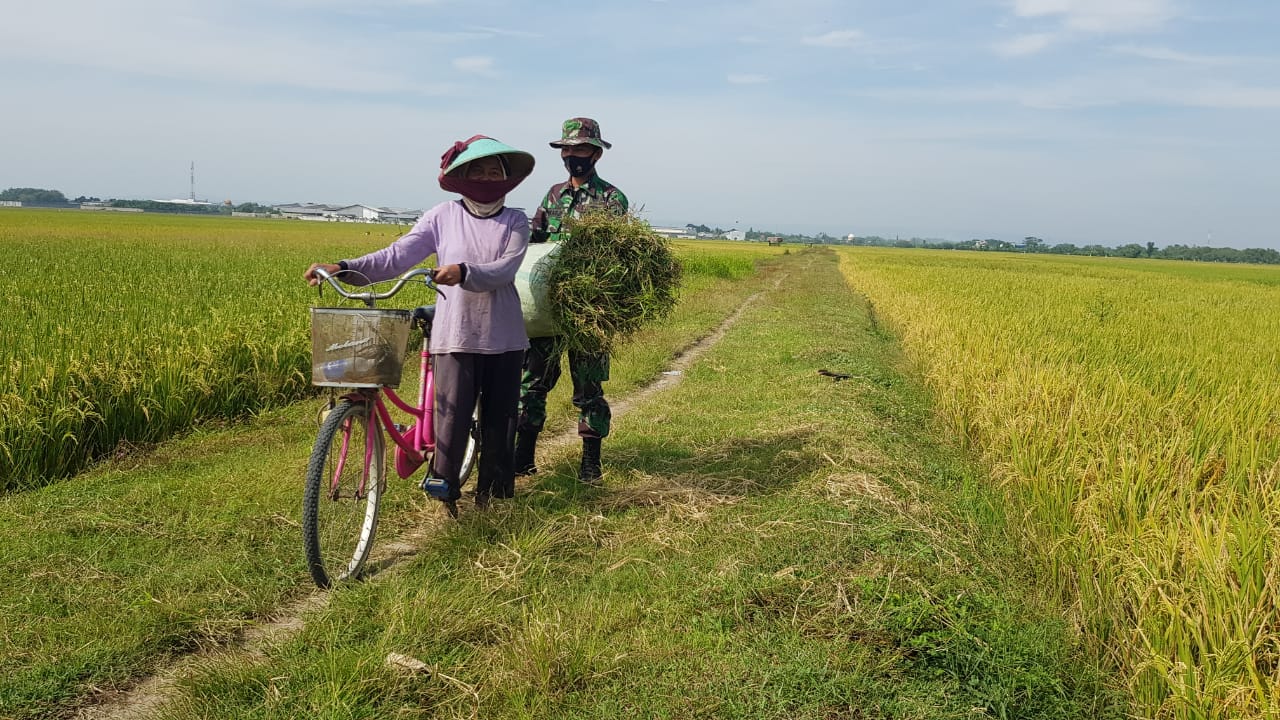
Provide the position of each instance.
(542, 371)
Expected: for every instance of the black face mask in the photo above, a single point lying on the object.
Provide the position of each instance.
(579, 166)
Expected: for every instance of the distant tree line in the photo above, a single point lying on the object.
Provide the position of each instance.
(225, 208)
(34, 196)
(1030, 244)
(250, 207)
(55, 198)
(703, 229)
(1262, 256)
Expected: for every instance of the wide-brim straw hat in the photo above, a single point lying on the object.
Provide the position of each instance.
(519, 163)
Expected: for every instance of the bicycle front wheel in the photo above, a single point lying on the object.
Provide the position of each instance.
(344, 484)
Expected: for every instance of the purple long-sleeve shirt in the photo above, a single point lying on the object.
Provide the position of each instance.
(482, 315)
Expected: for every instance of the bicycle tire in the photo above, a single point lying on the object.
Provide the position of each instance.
(473, 447)
(338, 524)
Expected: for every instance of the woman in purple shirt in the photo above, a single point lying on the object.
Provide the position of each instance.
(477, 337)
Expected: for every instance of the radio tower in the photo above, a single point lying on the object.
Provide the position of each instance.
(193, 181)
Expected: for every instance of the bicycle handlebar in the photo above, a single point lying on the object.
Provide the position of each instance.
(369, 297)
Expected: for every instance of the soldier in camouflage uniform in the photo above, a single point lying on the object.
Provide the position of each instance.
(580, 148)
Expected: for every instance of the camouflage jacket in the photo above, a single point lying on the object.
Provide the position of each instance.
(562, 201)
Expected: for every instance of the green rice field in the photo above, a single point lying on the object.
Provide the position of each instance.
(121, 330)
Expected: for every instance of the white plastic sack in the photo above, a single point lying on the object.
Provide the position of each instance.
(538, 321)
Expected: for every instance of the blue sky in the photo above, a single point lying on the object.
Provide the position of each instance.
(1083, 121)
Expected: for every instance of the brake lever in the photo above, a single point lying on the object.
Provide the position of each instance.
(432, 284)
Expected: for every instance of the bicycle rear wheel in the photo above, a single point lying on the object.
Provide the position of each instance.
(344, 484)
(473, 447)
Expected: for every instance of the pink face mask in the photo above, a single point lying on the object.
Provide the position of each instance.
(482, 191)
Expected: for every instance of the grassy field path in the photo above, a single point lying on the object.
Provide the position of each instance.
(175, 549)
(771, 542)
(146, 697)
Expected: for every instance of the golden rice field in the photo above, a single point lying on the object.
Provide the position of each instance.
(1132, 409)
(124, 329)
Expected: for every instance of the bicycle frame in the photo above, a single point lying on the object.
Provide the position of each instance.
(420, 438)
(416, 441)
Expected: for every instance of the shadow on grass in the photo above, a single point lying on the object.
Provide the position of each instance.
(640, 472)
(735, 468)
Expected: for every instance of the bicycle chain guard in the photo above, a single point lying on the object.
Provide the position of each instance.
(408, 463)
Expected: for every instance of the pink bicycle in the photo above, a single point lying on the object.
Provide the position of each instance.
(361, 351)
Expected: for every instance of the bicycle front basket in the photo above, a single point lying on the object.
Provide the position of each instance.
(358, 347)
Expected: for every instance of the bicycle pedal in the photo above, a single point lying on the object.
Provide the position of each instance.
(436, 487)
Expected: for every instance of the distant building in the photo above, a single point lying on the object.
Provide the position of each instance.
(774, 240)
(674, 232)
(358, 213)
(103, 207)
(306, 211)
(400, 216)
(185, 201)
(347, 213)
(736, 235)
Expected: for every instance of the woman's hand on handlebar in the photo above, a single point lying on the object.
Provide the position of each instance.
(447, 275)
(313, 279)
(327, 272)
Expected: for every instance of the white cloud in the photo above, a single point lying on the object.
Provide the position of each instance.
(476, 64)
(1170, 55)
(148, 39)
(835, 38)
(1025, 45)
(748, 79)
(1140, 91)
(503, 32)
(1233, 98)
(1100, 16)
(1109, 90)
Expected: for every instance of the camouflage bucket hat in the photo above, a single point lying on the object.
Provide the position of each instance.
(581, 131)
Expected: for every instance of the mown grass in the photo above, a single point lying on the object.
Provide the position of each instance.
(166, 550)
(769, 544)
(126, 329)
(1133, 411)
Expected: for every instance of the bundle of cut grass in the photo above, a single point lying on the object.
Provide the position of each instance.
(612, 275)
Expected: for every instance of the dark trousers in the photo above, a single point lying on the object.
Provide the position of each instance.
(542, 372)
(462, 380)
